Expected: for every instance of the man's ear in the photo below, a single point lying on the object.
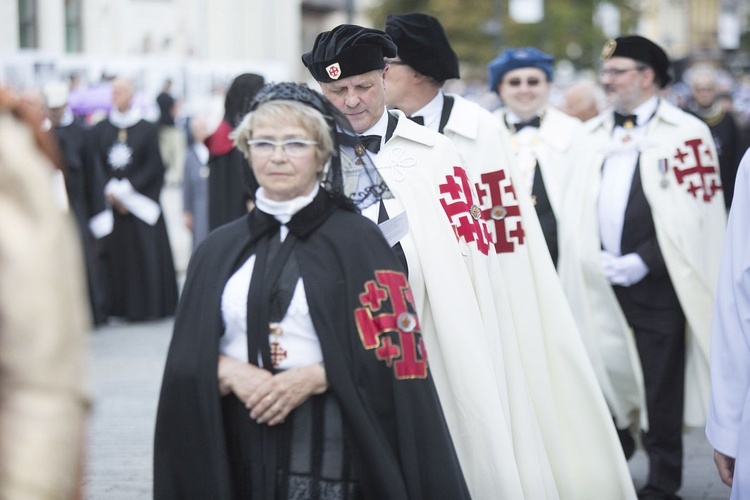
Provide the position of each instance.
(649, 76)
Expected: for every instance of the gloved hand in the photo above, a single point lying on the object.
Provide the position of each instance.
(626, 270)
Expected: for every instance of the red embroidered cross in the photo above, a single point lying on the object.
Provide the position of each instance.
(373, 296)
(697, 171)
(508, 231)
(387, 351)
(457, 207)
(383, 333)
(278, 354)
(333, 72)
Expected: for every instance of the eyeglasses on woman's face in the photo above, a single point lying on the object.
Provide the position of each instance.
(293, 148)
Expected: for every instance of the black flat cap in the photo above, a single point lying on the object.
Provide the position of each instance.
(423, 45)
(643, 50)
(348, 50)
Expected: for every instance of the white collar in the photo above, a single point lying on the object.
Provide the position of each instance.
(513, 118)
(126, 119)
(283, 210)
(381, 126)
(432, 111)
(67, 117)
(646, 110)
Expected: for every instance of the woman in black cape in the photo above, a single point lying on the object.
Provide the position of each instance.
(297, 367)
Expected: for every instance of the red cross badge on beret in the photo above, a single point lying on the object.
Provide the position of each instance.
(334, 71)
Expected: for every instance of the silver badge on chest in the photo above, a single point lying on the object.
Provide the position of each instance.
(119, 155)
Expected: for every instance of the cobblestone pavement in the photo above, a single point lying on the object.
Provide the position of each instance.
(126, 369)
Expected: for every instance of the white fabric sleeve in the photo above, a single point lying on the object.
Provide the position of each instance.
(139, 205)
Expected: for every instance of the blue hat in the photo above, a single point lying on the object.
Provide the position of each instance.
(524, 57)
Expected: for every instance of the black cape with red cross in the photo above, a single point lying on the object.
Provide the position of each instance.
(402, 447)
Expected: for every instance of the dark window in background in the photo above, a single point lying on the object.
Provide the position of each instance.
(73, 23)
(27, 24)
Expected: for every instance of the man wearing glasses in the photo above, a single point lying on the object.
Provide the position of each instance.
(545, 142)
(649, 222)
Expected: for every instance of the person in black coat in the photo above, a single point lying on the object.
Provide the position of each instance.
(704, 104)
(137, 268)
(84, 184)
(297, 367)
(230, 183)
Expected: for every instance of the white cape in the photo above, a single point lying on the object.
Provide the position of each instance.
(543, 351)
(728, 426)
(680, 181)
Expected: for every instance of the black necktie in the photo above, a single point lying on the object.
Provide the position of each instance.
(534, 122)
(417, 119)
(626, 121)
(371, 142)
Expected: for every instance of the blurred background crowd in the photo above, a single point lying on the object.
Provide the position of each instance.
(201, 46)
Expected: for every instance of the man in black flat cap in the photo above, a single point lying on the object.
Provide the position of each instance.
(429, 208)
(539, 310)
(649, 227)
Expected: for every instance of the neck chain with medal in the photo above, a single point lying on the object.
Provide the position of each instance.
(120, 153)
(628, 122)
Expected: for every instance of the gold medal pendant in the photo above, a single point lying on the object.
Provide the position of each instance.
(628, 126)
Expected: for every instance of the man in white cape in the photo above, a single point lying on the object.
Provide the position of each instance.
(445, 246)
(541, 349)
(640, 262)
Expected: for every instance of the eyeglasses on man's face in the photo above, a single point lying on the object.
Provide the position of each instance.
(615, 72)
(532, 81)
(292, 147)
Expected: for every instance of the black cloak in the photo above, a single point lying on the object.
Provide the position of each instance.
(137, 269)
(84, 183)
(401, 445)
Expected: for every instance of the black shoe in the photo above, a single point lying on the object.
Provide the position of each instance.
(651, 493)
(627, 442)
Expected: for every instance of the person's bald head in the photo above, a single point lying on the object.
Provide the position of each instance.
(582, 100)
(122, 93)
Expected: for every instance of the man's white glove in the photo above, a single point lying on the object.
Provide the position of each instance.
(626, 270)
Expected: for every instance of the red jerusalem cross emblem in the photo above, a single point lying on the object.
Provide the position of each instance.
(393, 332)
(695, 170)
(463, 212)
(334, 71)
(497, 197)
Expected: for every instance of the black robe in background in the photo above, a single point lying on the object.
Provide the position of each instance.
(230, 181)
(138, 275)
(84, 183)
(401, 445)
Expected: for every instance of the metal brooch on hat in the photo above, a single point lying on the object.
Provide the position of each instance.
(608, 49)
(334, 71)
